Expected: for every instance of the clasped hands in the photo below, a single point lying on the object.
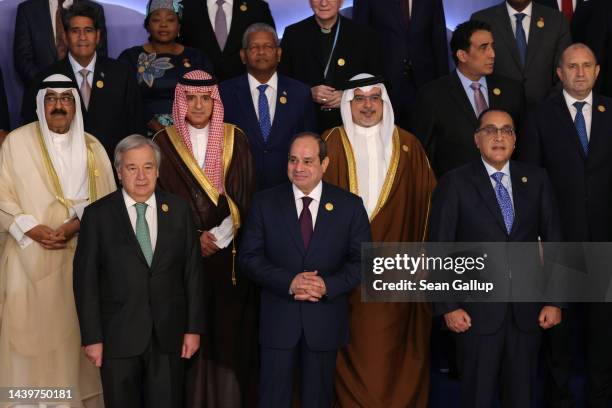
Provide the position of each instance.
(50, 238)
(327, 96)
(308, 286)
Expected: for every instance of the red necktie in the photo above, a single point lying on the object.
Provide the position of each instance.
(567, 8)
(60, 44)
(405, 6)
(305, 221)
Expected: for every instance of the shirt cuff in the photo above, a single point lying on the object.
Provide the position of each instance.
(77, 210)
(224, 232)
(22, 224)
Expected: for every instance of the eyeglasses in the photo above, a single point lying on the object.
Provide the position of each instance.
(371, 98)
(64, 99)
(492, 131)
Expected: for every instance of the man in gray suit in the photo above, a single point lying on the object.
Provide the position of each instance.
(529, 39)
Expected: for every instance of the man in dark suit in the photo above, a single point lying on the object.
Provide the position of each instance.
(306, 266)
(110, 98)
(325, 51)
(495, 200)
(216, 27)
(447, 109)
(39, 32)
(138, 286)
(412, 34)
(270, 108)
(527, 51)
(569, 135)
(599, 38)
(577, 12)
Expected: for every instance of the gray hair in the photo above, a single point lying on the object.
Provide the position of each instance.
(256, 28)
(134, 142)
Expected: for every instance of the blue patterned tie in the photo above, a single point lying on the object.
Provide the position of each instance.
(504, 201)
(521, 38)
(581, 126)
(142, 232)
(264, 113)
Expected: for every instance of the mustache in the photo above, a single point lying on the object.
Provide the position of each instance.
(367, 111)
(58, 112)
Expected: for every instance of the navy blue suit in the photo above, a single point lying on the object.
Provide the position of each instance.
(293, 116)
(271, 254)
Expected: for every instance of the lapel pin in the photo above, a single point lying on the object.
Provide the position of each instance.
(540, 22)
(165, 207)
(341, 62)
(405, 148)
(601, 108)
(329, 206)
(243, 6)
(102, 74)
(524, 179)
(496, 91)
(186, 63)
(100, 84)
(282, 100)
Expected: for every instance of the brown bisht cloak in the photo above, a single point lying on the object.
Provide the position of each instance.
(224, 373)
(386, 363)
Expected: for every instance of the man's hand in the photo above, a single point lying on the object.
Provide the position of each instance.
(458, 321)
(308, 286)
(207, 244)
(93, 352)
(549, 316)
(191, 344)
(322, 94)
(47, 237)
(68, 229)
(334, 101)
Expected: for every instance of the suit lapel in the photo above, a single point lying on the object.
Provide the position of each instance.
(238, 21)
(163, 228)
(209, 30)
(565, 118)
(485, 188)
(494, 96)
(289, 213)
(518, 195)
(322, 222)
(44, 13)
(597, 128)
(536, 34)
(505, 28)
(99, 77)
(123, 219)
(245, 99)
(280, 108)
(457, 92)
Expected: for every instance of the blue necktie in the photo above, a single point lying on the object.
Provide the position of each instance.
(504, 201)
(581, 126)
(264, 113)
(521, 38)
(142, 232)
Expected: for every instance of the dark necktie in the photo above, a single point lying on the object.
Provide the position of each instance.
(581, 129)
(567, 7)
(479, 100)
(265, 124)
(60, 44)
(521, 38)
(305, 221)
(405, 6)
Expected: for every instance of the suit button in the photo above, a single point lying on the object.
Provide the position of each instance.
(265, 152)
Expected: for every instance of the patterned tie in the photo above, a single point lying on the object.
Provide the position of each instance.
(142, 232)
(85, 88)
(305, 221)
(521, 38)
(479, 100)
(220, 25)
(264, 113)
(504, 201)
(60, 44)
(581, 127)
(567, 7)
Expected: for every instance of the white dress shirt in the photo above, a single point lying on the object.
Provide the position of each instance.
(506, 181)
(315, 194)
(212, 12)
(76, 68)
(560, 3)
(53, 10)
(587, 110)
(150, 215)
(526, 20)
(271, 92)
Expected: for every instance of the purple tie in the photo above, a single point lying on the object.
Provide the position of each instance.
(305, 221)
(220, 25)
(479, 99)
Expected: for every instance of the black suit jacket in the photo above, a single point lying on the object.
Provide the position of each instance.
(198, 32)
(4, 113)
(599, 38)
(444, 120)
(464, 209)
(120, 300)
(115, 107)
(582, 184)
(34, 44)
(580, 20)
(357, 51)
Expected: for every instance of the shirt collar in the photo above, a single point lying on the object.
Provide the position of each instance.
(491, 170)
(466, 82)
(315, 194)
(129, 201)
(76, 67)
(570, 99)
(254, 83)
(211, 3)
(526, 11)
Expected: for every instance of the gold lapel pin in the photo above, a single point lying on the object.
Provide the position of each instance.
(496, 91)
(243, 7)
(601, 108)
(186, 63)
(282, 100)
(329, 206)
(100, 84)
(165, 207)
(341, 62)
(540, 22)
(405, 148)
(524, 179)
